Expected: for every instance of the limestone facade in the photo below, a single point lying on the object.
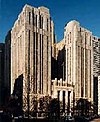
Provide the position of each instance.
(34, 52)
(32, 36)
(96, 72)
(79, 60)
(96, 56)
(74, 60)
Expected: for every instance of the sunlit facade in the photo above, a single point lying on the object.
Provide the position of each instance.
(32, 35)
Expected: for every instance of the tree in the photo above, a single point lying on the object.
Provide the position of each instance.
(83, 107)
(54, 108)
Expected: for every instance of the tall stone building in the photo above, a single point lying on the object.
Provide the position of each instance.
(79, 60)
(60, 88)
(96, 73)
(2, 47)
(32, 36)
(74, 55)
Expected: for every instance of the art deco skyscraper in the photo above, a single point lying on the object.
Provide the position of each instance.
(32, 36)
(79, 60)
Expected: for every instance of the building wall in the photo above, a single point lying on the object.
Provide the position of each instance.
(96, 56)
(79, 60)
(96, 73)
(61, 60)
(7, 67)
(32, 36)
(2, 46)
(98, 94)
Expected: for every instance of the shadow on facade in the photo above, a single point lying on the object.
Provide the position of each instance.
(7, 66)
(61, 64)
(53, 68)
(95, 92)
(18, 92)
(58, 65)
(14, 103)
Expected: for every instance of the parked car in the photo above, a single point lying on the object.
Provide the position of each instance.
(69, 118)
(81, 119)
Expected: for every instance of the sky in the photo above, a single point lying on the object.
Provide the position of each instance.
(87, 12)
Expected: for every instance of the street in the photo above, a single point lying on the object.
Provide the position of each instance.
(96, 120)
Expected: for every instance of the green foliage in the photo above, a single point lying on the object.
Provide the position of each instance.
(83, 107)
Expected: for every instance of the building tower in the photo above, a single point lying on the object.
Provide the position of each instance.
(32, 36)
(79, 60)
(2, 47)
(96, 73)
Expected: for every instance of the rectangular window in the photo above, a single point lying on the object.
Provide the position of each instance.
(33, 17)
(40, 21)
(29, 17)
(70, 64)
(90, 40)
(85, 38)
(86, 73)
(42, 61)
(34, 60)
(47, 24)
(28, 78)
(36, 20)
(40, 64)
(70, 37)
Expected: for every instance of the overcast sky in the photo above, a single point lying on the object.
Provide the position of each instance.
(87, 12)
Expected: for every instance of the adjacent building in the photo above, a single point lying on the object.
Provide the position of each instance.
(7, 65)
(60, 88)
(2, 48)
(31, 39)
(96, 73)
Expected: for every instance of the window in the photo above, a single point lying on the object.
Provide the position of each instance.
(40, 64)
(70, 63)
(34, 84)
(29, 17)
(70, 37)
(33, 17)
(47, 24)
(40, 21)
(36, 20)
(90, 40)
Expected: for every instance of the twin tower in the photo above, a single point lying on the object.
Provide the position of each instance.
(47, 67)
